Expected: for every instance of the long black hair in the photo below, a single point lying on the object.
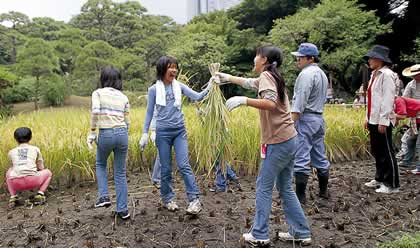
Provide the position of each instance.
(274, 57)
(111, 77)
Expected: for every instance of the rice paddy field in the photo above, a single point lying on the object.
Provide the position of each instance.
(61, 135)
(354, 216)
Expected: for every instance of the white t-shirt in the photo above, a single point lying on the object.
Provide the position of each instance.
(24, 159)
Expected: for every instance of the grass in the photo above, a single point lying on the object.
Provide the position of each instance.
(61, 135)
(406, 241)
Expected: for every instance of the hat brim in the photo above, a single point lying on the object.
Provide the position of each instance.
(372, 54)
(408, 73)
(297, 54)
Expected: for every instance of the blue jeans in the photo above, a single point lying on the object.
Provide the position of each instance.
(165, 139)
(277, 168)
(310, 145)
(113, 140)
(156, 170)
(221, 180)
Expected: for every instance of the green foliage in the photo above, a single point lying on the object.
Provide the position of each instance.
(342, 31)
(92, 58)
(259, 14)
(195, 50)
(20, 92)
(407, 241)
(54, 91)
(413, 57)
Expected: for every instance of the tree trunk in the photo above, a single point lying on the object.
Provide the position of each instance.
(36, 96)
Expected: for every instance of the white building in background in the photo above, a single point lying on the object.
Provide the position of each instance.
(198, 7)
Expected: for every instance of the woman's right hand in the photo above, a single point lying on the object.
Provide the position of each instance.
(223, 77)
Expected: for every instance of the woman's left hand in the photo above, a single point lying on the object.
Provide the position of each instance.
(235, 102)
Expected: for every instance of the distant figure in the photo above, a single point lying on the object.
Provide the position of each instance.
(27, 171)
(360, 99)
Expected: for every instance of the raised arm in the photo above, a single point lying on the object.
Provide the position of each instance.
(194, 95)
(247, 83)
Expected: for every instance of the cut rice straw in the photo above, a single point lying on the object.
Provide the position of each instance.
(214, 143)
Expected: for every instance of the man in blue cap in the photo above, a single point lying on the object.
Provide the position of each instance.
(308, 101)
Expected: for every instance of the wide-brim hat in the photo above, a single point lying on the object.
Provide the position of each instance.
(411, 71)
(379, 52)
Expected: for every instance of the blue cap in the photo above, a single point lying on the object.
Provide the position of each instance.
(306, 49)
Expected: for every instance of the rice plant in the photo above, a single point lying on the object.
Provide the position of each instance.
(61, 135)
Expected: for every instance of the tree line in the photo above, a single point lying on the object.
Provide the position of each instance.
(47, 59)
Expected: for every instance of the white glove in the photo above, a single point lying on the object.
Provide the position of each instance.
(90, 139)
(153, 137)
(223, 78)
(143, 141)
(235, 102)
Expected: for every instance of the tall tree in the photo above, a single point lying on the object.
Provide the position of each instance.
(17, 21)
(260, 14)
(7, 79)
(342, 31)
(92, 58)
(37, 59)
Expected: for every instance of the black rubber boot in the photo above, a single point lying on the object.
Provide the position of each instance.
(323, 186)
(301, 180)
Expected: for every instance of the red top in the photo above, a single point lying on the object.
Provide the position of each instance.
(369, 94)
(407, 106)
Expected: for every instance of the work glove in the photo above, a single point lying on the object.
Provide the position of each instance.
(143, 141)
(222, 78)
(235, 102)
(153, 137)
(90, 139)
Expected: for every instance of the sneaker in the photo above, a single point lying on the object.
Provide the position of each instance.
(123, 215)
(236, 185)
(171, 206)
(373, 184)
(387, 190)
(216, 190)
(156, 184)
(39, 199)
(103, 201)
(248, 237)
(415, 172)
(194, 207)
(13, 201)
(285, 236)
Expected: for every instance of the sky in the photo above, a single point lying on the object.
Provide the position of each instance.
(63, 10)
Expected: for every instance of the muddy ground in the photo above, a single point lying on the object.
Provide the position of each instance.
(354, 217)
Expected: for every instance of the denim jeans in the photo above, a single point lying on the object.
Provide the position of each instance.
(113, 140)
(277, 168)
(156, 170)
(165, 139)
(221, 180)
(310, 144)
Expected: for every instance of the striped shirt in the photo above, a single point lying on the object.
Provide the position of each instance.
(110, 108)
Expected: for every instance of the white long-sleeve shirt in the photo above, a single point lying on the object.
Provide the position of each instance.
(382, 97)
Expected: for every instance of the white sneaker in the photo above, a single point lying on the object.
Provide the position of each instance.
(415, 172)
(171, 206)
(248, 237)
(285, 236)
(194, 207)
(373, 184)
(387, 190)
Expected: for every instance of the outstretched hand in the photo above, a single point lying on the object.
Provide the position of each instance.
(235, 102)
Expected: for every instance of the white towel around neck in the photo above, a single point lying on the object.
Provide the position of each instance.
(161, 93)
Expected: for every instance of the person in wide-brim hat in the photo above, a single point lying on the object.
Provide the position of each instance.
(380, 120)
(379, 52)
(411, 71)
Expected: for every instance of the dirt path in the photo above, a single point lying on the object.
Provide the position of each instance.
(354, 217)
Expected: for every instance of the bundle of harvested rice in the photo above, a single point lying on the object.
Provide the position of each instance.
(214, 138)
